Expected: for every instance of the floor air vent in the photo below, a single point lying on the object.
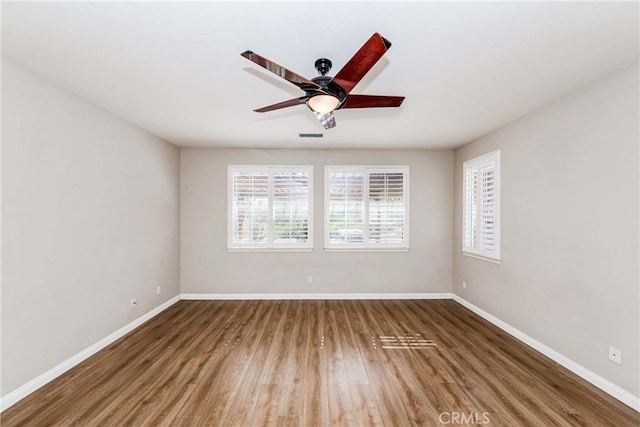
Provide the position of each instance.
(408, 341)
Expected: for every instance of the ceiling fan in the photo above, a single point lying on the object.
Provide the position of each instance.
(324, 94)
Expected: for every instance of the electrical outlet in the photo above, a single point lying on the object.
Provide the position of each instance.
(615, 355)
(133, 302)
(464, 285)
(158, 290)
(309, 279)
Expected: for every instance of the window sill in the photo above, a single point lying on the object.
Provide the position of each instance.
(481, 258)
(269, 249)
(366, 249)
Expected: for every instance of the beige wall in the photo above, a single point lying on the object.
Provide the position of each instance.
(90, 218)
(207, 267)
(569, 273)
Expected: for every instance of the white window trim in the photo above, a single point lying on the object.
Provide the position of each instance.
(479, 253)
(270, 246)
(367, 247)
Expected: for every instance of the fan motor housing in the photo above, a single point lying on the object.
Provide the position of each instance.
(323, 65)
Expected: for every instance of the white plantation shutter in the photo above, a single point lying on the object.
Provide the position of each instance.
(481, 206)
(346, 206)
(270, 207)
(366, 207)
(291, 206)
(470, 208)
(250, 207)
(386, 207)
(488, 208)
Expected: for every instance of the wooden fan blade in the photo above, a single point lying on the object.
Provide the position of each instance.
(288, 75)
(362, 61)
(283, 104)
(368, 101)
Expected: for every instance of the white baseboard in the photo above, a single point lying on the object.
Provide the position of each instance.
(28, 388)
(224, 296)
(608, 387)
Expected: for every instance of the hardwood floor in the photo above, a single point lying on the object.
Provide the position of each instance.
(299, 363)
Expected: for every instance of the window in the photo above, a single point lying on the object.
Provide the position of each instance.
(367, 207)
(270, 207)
(481, 206)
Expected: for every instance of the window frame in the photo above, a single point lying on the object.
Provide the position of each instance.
(366, 246)
(479, 162)
(271, 245)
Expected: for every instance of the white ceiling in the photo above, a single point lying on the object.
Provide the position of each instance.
(175, 69)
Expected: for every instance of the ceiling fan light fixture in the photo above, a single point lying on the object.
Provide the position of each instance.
(323, 103)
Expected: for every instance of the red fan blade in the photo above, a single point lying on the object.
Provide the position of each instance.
(290, 76)
(283, 104)
(362, 62)
(367, 101)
